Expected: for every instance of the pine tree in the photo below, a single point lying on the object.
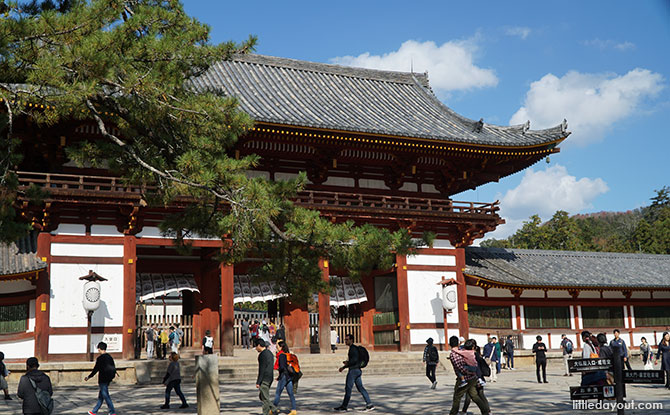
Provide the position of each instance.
(128, 64)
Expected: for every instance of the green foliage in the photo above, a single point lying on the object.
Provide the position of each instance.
(130, 65)
(645, 230)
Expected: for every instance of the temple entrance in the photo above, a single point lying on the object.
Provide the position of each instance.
(386, 318)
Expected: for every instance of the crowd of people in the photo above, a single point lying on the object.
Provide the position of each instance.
(160, 339)
(471, 364)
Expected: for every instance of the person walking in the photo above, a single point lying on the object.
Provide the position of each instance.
(208, 343)
(4, 373)
(663, 355)
(482, 370)
(498, 348)
(491, 358)
(180, 332)
(172, 380)
(150, 336)
(285, 379)
(431, 358)
(174, 339)
(254, 331)
(265, 375)
(157, 343)
(567, 347)
(646, 354)
(466, 377)
(354, 376)
(509, 353)
(333, 339)
(281, 333)
(106, 370)
(244, 328)
(540, 350)
(618, 341)
(28, 384)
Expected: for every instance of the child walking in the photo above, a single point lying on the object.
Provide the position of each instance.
(172, 380)
(3, 375)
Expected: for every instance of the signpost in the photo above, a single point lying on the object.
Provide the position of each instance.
(643, 376)
(589, 365)
(617, 390)
(581, 393)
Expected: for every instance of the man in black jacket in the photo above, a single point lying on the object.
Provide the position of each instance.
(353, 376)
(26, 390)
(265, 375)
(106, 370)
(540, 350)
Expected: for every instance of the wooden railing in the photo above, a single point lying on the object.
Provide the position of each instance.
(315, 199)
(342, 324)
(164, 322)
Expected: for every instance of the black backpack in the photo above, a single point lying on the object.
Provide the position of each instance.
(483, 367)
(43, 399)
(363, 356)
(433, 356)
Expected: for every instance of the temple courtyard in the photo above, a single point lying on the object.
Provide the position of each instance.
(516, 392)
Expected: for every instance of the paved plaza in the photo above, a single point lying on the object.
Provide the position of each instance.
(515, 392)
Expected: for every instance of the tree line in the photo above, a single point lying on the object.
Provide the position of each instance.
(643, 230)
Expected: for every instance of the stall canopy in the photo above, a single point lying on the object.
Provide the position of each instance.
(346, 292)
(157, 285)
(247, 289)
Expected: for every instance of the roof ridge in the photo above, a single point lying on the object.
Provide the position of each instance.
(342, 70)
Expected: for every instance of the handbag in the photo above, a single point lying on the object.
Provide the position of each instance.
(649, 365)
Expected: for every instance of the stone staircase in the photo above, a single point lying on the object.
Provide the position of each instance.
(243, 367)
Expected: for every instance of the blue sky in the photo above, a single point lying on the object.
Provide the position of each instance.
(602, 65)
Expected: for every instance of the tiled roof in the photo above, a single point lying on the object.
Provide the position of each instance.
(527, 267)
(316, 95)
(20, 257)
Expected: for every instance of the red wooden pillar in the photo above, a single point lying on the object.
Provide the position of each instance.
(403, 303)
(42, 296)
(463, 324)
(129, 272)
(368, 312)
(296, 320)
(198, 331)
(209, 296)
(227, 311)
(324, 310)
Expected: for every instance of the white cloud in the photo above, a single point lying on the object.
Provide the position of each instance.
(450, 66)
(543, 192)
(590, 102)
(519, 31)
(610, 44)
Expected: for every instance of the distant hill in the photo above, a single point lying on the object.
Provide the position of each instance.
(644, 230)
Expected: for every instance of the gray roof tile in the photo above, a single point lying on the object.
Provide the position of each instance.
(317, 95)
(20, 257)
(568, 268)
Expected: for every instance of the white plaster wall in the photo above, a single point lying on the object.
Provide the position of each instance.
(475, 291)
(16, 286)
(481, 339)
(429, 188)
(572, 317)
(70, 229)
(31, 316)
(340, 181)
(640, 294)
(613, 294)
(625, 317)
(442, 244)
(589, 294)
(580, 322)
(425, 296)
(372, 184)
(529, 340)
(558, 294)
(66, 308)
(87, 250)
(513, 308)
(499, 292)
(149, 232)
(67, 343)
(661, 294)
(285, 176)
(632, 316)
(157, 310)
(440, 260)
(105, 230)
(409, 187)
(522, 317)
(532, 294)
(637, 336)
(18, 349)
(451, 332)
(419, 336)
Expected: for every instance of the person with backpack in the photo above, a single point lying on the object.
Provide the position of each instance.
(3, 377)
(483, 369)
(35, 390)
(286, 376)
(509, 353)
(466, 376)
(106, 370)
(208, 343)
(172, 380)
(566, 345)
(431, 358)
(358, 358)
(174, 339)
